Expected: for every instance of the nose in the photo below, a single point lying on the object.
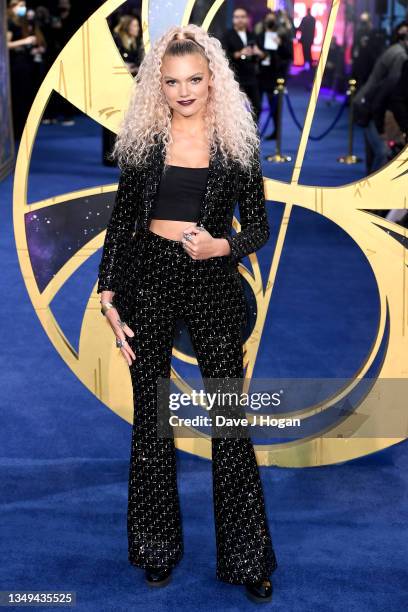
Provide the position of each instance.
(183, 90)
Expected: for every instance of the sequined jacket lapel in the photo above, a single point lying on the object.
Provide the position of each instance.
(215, 182)
(227, 184)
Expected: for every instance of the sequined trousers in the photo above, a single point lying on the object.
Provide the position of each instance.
(163, 284)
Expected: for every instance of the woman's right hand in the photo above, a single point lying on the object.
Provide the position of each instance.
(120, 329)
(30, 40)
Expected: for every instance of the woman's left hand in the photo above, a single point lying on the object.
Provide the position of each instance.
(202, 245)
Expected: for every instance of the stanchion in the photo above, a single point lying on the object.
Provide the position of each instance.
(350, 158)
(278, 158)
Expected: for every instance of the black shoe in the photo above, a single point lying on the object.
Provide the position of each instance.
(157, 577)
(261, 592)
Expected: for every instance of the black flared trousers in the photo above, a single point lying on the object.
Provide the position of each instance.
(164, 284)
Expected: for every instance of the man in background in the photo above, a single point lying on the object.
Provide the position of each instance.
(307, 30)
(243, 53)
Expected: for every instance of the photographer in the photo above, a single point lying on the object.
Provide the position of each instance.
(277, 51)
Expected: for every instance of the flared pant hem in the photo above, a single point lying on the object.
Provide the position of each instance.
(163, 286)
(240, 576)
(154, 561)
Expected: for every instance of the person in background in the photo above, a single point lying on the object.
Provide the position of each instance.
(307, 30)
(37, 23)
(128, 37)
(334, 69)
(398, 105)
(243, 54)
(398, 101)
(63, 27)
(276, 49)
(129, 41)
(370, 102)
(363, 29)
(364, 51)
(20, 42)
(287, 33)
(64, 24)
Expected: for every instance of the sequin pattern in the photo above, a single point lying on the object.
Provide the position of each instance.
(208, 296)
(227, 184)
(156, 282)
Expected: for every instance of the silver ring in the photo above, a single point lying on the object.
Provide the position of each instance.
(120, 343)
(187, 236)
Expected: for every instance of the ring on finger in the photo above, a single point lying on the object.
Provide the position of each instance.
(120, 343)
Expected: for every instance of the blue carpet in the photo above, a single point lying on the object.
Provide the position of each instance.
(339, 532)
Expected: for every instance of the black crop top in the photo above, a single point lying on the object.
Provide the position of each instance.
(180, 194)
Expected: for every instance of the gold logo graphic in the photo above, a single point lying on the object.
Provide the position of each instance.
(90, 73)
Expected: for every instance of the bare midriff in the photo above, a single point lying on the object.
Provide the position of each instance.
(172, 230)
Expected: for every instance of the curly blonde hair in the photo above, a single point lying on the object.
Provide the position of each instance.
(229, 119)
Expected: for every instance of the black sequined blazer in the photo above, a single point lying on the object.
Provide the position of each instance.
(226, 186)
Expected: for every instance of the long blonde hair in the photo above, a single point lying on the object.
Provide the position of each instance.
(230, 124)
(122, 30)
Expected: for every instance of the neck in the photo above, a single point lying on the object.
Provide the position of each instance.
(191, 126)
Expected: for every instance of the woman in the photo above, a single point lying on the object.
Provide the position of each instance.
(188, 149)
(129, 41)
(128, 38)
(276, 52)
(20, 44)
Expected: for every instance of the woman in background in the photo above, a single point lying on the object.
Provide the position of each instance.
(129, 41)
(20, 43)
(128, 38)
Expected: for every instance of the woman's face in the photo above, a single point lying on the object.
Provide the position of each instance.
(270, 20)
(20, 9)
(186, 78)
(133, 28)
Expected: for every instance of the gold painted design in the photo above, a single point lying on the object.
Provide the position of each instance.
(89, 72)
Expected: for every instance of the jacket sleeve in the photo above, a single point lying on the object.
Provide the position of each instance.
(255, 229)
(119, 231)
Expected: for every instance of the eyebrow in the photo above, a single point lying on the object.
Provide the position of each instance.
(190, 77)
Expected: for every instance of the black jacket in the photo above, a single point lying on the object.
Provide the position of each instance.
(130, 56)
(371, 99)
(398, 100)
(278, 58)
(245, 70)
(226, 185)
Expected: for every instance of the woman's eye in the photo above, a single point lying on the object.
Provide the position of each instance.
(194, 79)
